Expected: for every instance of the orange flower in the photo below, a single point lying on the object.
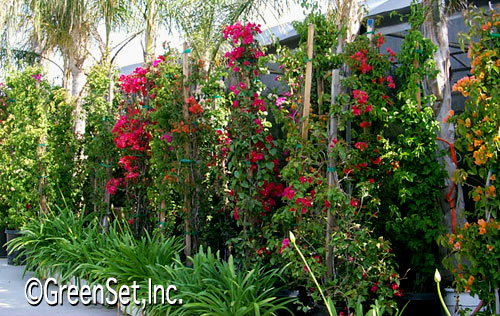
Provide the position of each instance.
(486, 118)
(482, 222)
(482, 230)
(486, 26)
(491, 191)
(498, 63)
(476, 195)
(457, 245)
(493, 177)
(481, 155)
(477, 132)
(490, 248)
(467, 122)
(470, 280)
(466, 225)
(469, 283)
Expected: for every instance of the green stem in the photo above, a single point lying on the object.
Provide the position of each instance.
(314, 278)
(441, 299)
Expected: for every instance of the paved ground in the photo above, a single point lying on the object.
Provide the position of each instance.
(13, 301)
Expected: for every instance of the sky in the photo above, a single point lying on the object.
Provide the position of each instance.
(132, 52)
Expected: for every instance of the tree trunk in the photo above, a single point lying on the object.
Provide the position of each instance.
(436, 29)
(151, 29)
(78, 82)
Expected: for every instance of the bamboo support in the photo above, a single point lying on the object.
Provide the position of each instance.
(41, 150)
(331, 171)
(308, 83)
(185, 113)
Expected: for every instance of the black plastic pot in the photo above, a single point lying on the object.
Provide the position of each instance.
(12, 258)
(3, 247)
(300, 295)
(421, 304)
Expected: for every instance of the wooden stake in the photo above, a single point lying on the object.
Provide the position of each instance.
(331, 171)
(307, 90)
(41, 150)
(185, 113)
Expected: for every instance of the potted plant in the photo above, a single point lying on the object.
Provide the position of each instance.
(14, 221)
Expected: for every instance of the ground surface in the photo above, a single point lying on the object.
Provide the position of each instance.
(14, 303)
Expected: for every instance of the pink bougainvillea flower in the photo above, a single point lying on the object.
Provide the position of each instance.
(368, 108)
(364, 68)
(361, 145)
(289, 192)
(37, 77)
(365, 124)
(377, 160)
(380, 41)
(167, 137)
(354, 203)
(390, 82)
(280, 101)
(356, 111)
(112, 185)
(130, 221)
(286, 242)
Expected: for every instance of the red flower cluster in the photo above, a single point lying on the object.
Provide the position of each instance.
(112, 185)
(244, 32)
(136, 82)
(194, 107)
(130, 132)
(361, 99)
(359, 61)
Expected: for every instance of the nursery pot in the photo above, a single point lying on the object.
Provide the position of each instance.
(3, 247)
(12, 257)
(465, 301)
(421, 304)
(298, 294)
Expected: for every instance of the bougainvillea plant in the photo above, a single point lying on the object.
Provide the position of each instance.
(249, 151)
(132, 137)
(307, 195)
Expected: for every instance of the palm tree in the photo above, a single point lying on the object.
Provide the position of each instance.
(69, 27)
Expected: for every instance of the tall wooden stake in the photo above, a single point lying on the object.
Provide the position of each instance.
(308, 83)
(185, 113)
(333, 181)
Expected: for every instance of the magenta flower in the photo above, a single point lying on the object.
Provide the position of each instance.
(289, 192)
